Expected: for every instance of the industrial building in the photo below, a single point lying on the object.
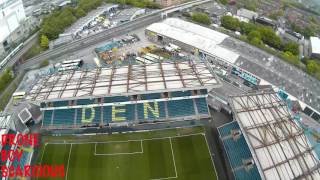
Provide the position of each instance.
(315, 47)
(191, 37)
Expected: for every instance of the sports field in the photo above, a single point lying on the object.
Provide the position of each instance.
(168, 154)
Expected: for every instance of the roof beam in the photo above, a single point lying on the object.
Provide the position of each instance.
(162, 74)
(111, 78)
(129, 76)
(179, 73)
(191, 64)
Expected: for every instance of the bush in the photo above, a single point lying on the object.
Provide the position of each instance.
(5, 78)
(229, 22)
(201, 18)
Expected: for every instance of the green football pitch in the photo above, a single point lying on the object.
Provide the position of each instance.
(179, 154)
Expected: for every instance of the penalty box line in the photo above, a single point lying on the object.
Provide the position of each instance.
(114, 154)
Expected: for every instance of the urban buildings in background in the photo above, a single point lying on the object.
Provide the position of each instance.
(11, 18)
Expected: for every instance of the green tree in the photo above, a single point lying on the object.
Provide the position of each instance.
(254, 35)
(80, 13)
(201, 18)
(313, 67)
(44, 42)
(269, 37)
(292, 47)
(229, 22)
(224, 2)
(246, 28)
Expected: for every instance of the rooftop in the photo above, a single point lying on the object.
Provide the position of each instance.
(126, 80)
(202, 38)
(315, 45)
(278, 145)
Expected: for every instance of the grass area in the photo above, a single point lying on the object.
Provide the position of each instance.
(180, 154)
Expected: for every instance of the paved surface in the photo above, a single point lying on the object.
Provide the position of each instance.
(277, 72)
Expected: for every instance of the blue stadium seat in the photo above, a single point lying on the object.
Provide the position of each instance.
(237, 151)
(85, 101)
(204, 91)
(252, 174)
(202, 105)
(226, 129)
(107, 113)
(88, 114)
(179, 108)
(116, 99)
(60, 103)
(63, 117)
(149, 115)
(47, 117)
(150, 96)
(180, 93)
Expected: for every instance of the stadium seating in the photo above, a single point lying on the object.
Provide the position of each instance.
(226, 129)
(180, 108)
(88, 116)
(202, 105)
(47, 117)
(204, 91)
(180, 93)
(85, 101)
(60, 103)
(251, 174)
(63, 116)
(148, 115)
(237, 151)
(116, 99)
(150, 96)
(107, 111)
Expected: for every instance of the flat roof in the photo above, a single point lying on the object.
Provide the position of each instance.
(194, 35)
(125, 80)
(315, 45)
(278, 144)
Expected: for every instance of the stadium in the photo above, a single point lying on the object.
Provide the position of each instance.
(145, 120)
(157, 120)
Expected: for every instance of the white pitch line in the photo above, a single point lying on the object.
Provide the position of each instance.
(174, 161)
(147, 139)
(174, 164)
(68, 162)
(214, 167)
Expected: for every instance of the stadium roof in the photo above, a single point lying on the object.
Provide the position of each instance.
(278, 145)
(194, 35)
(315, 45)
(125, 80)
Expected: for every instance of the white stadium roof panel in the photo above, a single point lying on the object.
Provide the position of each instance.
(127, 80)
(204, 39)
(279, 146)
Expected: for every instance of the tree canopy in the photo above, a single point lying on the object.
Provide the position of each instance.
(201, 18)
(230, 23)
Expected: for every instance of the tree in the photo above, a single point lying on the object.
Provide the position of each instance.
(313, 67)
(44, 42)
(288, 56)
(292, 47)
(80, 13)
(229, 22)
(201, 18)
(269, 37)
(246, 28)
(254, 35)
(224, 2)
